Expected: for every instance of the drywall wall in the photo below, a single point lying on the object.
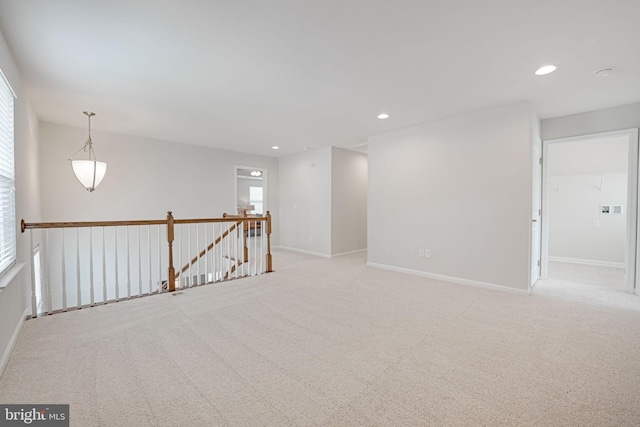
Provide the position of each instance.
(145, 178)
(577, 228)
(460, 187)
(305, 201)
(348, 201)
(13, 310)
(15, 283)
(609, 119)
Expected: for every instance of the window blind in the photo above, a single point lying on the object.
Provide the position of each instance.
(7, 176)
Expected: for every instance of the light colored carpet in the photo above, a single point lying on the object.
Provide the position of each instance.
(595, 275)
(333, 342)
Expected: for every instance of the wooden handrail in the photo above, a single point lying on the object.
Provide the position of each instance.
(33, 225)
(228, 218)
(170, 222)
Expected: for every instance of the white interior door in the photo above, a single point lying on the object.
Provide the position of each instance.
(536, 212)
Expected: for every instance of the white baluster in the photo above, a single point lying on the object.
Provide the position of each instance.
(179, 240)
(206, 255)
(126, 229)
(104, 268)
(34, 304)
(190, 278)
(235, 247)
(115, 232)
(216, 251)
(139, 229)
(198, 278)
(78, 292)
(160, 264)
(64, 275)
(149, 258)
(262, 230)
(46, 276)
(91, 291)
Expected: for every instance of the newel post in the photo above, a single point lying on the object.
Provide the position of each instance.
(269, 260)
(172, 271)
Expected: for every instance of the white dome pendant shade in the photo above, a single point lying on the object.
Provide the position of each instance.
(89, 172)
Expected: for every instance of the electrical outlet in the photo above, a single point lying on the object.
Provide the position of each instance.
(421, 253)
(427, 253)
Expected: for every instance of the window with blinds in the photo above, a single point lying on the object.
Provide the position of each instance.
(7, 188)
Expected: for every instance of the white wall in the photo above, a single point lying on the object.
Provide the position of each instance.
(305, 201)
(460, 187)
(145, 178)
(348, 201)
(574, 205)
(13, 306)
(14, 288)
(609, 119)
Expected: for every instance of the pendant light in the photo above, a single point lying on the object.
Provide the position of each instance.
(88, 171)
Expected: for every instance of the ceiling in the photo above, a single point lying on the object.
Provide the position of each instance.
(245, 75)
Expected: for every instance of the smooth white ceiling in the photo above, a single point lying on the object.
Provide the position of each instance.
(244, 75)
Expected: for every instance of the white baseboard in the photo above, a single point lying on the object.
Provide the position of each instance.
(451, 279)
(12, 341)
(587, 262)
(349, 253)
(302, 251)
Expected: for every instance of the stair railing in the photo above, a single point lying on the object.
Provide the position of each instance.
(84, 264)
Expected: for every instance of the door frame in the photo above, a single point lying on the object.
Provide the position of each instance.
(265, 191)
(632, 255)
(536, 218)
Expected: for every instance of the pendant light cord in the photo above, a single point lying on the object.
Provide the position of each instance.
(88, 145)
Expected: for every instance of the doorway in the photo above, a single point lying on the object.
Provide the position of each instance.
(251, 190)
(589, 210)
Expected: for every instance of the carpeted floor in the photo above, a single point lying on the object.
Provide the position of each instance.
(333, 342)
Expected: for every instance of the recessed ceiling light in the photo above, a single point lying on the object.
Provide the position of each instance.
(383, 116)
(275, 147)
(545, 70)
